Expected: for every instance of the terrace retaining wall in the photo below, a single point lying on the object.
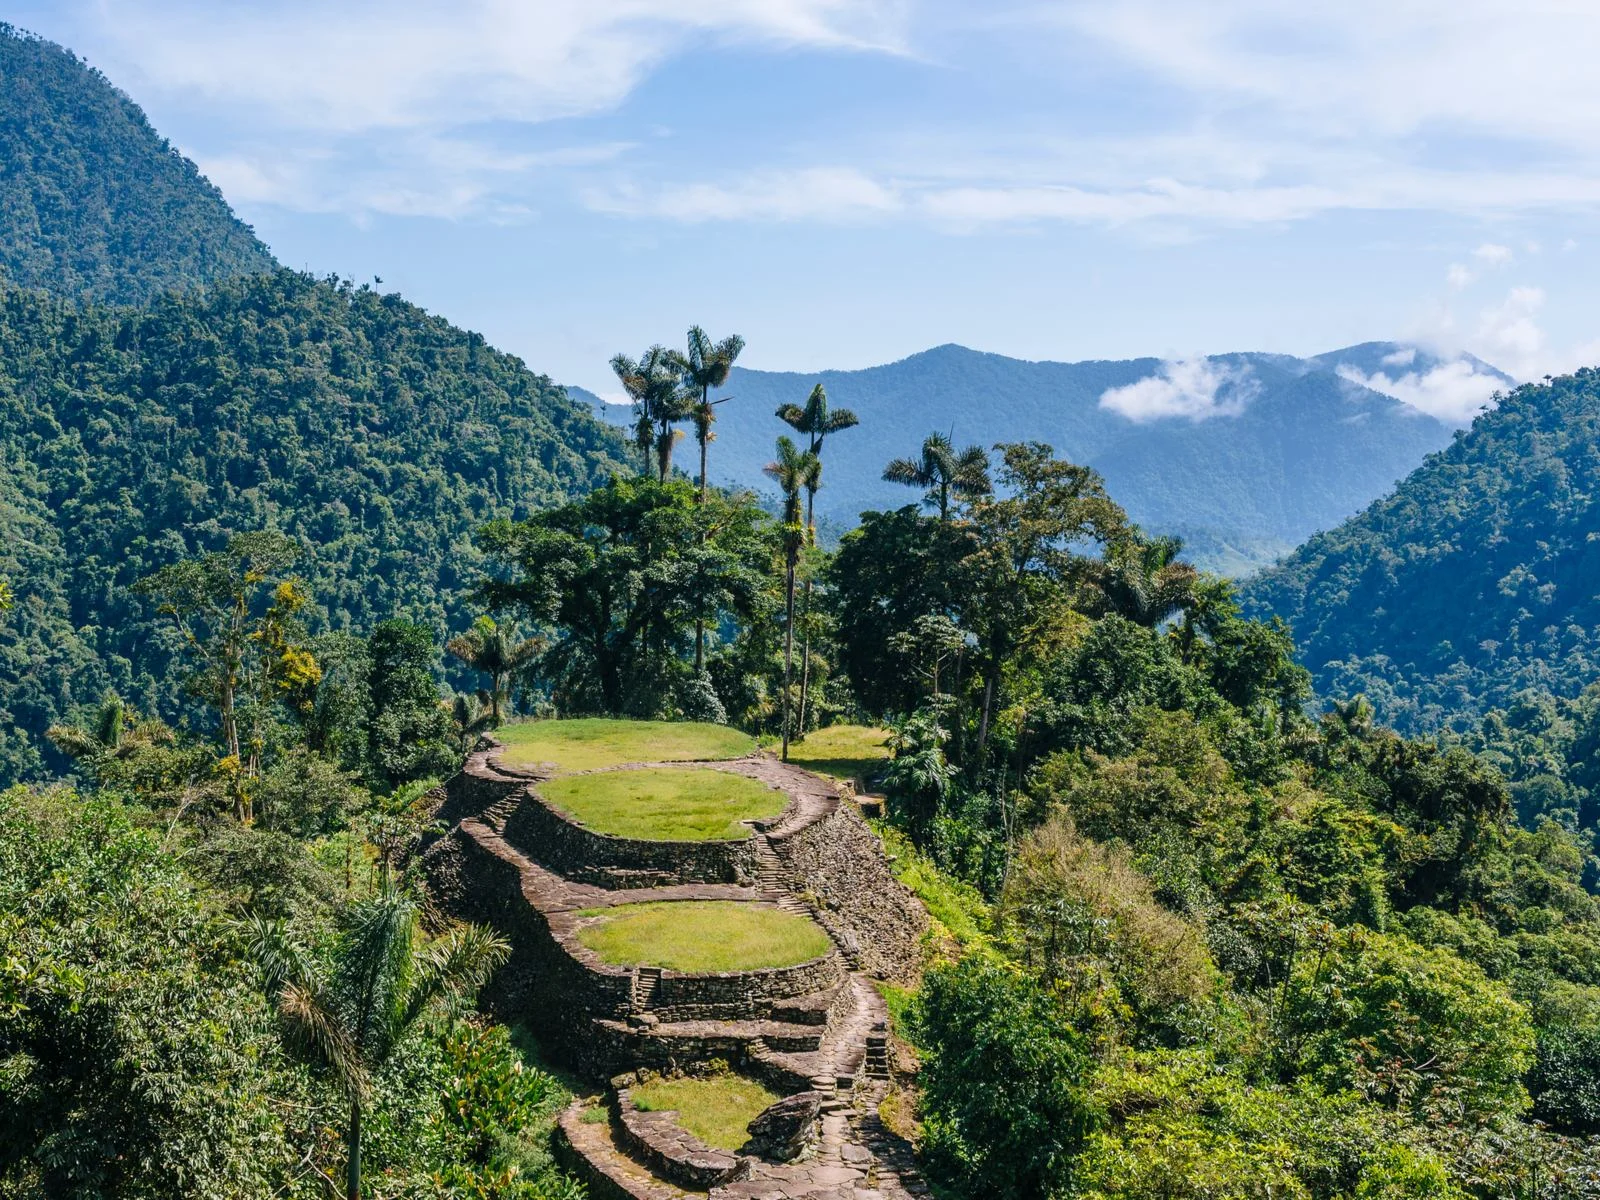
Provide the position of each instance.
(837, 864)
(604, 860)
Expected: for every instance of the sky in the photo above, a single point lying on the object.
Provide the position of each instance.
(846, 183)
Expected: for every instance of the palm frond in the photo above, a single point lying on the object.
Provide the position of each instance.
(458, 964)
(315, 1033)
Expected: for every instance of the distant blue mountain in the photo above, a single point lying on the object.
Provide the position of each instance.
(1244, 455)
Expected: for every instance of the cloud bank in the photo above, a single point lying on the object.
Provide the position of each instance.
(1196, 389)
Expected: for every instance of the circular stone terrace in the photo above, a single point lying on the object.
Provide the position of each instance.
(675, 909)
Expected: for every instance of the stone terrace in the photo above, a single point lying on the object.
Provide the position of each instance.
(814, 1031)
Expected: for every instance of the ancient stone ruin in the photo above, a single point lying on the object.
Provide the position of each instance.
(813, 1032)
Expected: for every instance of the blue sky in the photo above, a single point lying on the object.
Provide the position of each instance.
(848, 183)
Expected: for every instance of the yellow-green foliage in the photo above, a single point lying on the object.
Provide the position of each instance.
(591, 743)
(1181, 1129)
(843, 751)
(958, 909)
(717, 1109)
(1408, 1026)
(1076, 911)
(702, 936)
(669, 804)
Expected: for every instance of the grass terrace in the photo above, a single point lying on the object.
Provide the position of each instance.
(701, 936)
(717, 1109)
(665, 804)
(593, 742)
(843, 751)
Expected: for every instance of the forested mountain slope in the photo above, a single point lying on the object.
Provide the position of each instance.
(1477, 578)
(1292, 446)
(376, 435)
(93, 202)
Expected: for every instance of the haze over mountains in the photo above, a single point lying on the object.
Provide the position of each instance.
(1244, 455)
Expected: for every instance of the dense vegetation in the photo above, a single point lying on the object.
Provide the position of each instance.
(376, 437)
(1466, 602)
(1307, 451)
(94, 204)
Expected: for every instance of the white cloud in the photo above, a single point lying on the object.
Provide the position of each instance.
(1493, 255)
(1459, 277)
(1402, 357)
(1453, 392)
(1195, 388)
(815, 193)
(368, 65)
(1509, 335)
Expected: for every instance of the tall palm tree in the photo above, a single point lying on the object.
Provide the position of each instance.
(793, 470)
(348, 1015)
(469, 716)
(943, 471)
(496, 651)
(653, 382)
(703, 367)
(1144, 581)
(816, 420)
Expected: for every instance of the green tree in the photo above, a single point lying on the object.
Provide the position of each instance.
(654, 382)
(350, 1015)
(704, 366)
(1031, 539)
(621, 577)
(243, 629)
(793, 471)
(943, 472)
(816, 420)
(409, 735)
(1143, 580)
(497, 652)
(1006, 1107)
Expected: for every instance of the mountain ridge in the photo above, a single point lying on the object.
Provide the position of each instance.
(1293, 447)
(94, 203)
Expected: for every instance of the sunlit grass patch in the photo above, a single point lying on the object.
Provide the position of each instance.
(843, 751)
(702, 936)
(717, 1109)
(592, 742)
(666, 804)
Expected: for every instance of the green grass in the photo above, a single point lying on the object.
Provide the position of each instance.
(666, 804)
(842, 751)
(701, 936)
(584, 745)
(717, 1109)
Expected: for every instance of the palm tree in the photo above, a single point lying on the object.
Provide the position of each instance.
(110, 735)
(652, 382)
(1144, 581)
(816, 420)
(498, 653)
(793, 470)
(470, 716)
(703, 367)
(943, 471)
(349, 1015)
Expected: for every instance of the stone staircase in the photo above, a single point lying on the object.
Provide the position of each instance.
(645, 982)
(772, 881)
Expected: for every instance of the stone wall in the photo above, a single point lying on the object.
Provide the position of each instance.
(741, 994)
(569, 849)
(837, 864)
(668, 1149)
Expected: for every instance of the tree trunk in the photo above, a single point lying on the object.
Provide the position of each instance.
(700, 622)
(352, 1145)
(805, 642)
(983, 717)
(788, 654)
